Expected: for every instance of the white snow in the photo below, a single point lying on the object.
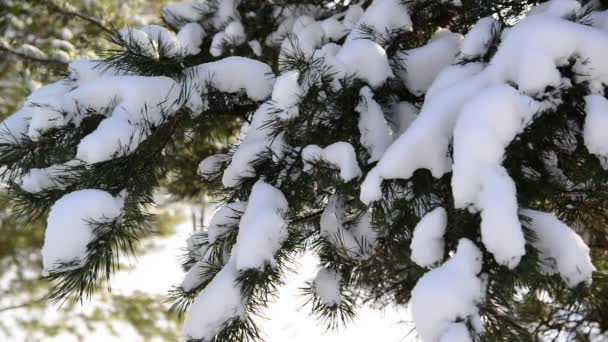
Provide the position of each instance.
(384, 17)
(39, 179)
(427, 242)
(218, 303)
(262, 229)
(477, 41)
(190, 37)
(596, 126)
(69, 230)
(209, 168)
(448, 293)
(225, 218)
(257, 141)
(561, 249)
(366, 60)
(287, 94)
(340, 155)
(327, 286)
(423, 64)
(376, 135)
(357, 243)
(456, 332)
(488, 123)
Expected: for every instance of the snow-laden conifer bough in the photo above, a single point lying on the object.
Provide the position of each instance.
(450, 168)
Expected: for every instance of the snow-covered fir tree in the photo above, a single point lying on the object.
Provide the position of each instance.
(443, 154)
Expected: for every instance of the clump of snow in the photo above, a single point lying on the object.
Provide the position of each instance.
(384, 17)
(357, 243)
(36, 180)
(456, 332)
(366, 60)
(402, 114)
(69, 227)
(286, 94)
(340, 154)
(31, 51)
(190, 37)
(376, 135)
(448, 294)
(596, 126)
(477, 41)
(257, 140)
(427, 242)
(262, 229)
(561, 249)
(488, 123)
(233, 35)
(210, 167)
(234, 74)
(327, 286)
(423, 64)
(218, 303)
(225, 218)
(559, 8)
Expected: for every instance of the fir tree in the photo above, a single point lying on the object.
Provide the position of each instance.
(445, 154)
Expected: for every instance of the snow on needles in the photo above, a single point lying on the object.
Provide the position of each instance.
(340, 155)
(596, 126)
(327, 286)
(561, 249)
(262, 229)
(427, 242)
(447, 294)
(70, 227)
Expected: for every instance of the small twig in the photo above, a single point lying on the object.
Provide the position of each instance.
(31, 58)
(69, 12)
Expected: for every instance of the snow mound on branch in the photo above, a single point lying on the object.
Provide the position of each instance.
(357, 243)
(340, 154)
(424, 63)
(327, 286)
(257, 141)
(449, 293)
(427, 241)
(225, 218)
(190, 38)
(262, 229)
(596, 126)
(488, 123)
(477, 41)
(70, 227)
(559, 8)
(402, 114)
(456, 332)
(235, 74)
(137, 104)
(561, 249)
(209, 167)
(217, 304)
(366, 60)
(56, 176)
(376, 135)
(287, 94)
(385, 17)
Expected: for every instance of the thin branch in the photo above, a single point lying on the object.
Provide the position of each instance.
(31, 58)
(71, 12)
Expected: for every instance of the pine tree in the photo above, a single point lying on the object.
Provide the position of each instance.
(446, 154)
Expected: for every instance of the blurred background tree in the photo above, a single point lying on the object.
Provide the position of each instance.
(37, 41)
